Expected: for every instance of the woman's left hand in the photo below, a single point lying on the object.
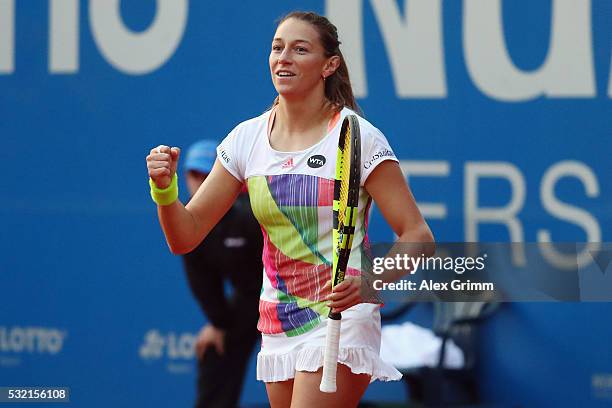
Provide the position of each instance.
(345, 295)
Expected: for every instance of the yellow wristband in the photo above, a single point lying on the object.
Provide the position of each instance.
(164, 196)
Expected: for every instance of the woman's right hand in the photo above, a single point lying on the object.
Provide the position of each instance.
(162, 163)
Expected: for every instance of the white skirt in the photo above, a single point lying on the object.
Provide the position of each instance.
(281, 356)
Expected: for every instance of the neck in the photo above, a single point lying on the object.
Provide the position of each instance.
(298, 115)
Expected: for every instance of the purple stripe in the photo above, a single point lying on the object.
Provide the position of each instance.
(294, 189)
(292, 317)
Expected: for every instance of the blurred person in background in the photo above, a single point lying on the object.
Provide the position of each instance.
(231, 253)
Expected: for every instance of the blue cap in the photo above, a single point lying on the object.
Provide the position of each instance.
(201, 156)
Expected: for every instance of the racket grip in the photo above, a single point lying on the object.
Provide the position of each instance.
(330, 360)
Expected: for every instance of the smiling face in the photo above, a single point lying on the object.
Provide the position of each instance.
(297, 59)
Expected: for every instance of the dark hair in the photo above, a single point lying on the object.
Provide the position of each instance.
(338, 88)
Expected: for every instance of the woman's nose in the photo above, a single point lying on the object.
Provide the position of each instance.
(284, 57)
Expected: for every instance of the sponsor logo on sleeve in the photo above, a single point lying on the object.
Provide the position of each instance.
(316, 161)
(377, 156)
(224, 155)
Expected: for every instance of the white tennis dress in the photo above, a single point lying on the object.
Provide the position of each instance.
(291, 195)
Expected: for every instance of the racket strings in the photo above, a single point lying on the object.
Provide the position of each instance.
(344, 178)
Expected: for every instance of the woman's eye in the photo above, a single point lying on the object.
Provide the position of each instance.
(276, 48)
(301, 49)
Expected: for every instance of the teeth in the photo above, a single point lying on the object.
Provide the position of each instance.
(285, 74)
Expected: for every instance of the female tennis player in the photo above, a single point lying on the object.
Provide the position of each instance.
(286, 156)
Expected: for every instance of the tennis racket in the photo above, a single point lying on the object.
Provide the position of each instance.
(346, 199)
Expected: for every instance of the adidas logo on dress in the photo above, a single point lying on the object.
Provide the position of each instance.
(288, 164)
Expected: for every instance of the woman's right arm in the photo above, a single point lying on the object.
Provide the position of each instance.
(186, 226)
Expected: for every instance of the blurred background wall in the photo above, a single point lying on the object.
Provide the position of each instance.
(499, 110)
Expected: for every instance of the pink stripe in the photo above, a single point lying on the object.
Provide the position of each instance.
(326, 192)
(352, 271)
(269, 267)
(366, 218)
(268, 318)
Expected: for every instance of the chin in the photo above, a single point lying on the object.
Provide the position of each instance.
(286, 92)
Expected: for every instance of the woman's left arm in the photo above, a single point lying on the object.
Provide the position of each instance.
(389, 190)
(387, 186)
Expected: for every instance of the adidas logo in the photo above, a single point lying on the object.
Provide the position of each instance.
(287, 164)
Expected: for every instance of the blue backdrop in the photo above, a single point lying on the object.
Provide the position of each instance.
(499, 111)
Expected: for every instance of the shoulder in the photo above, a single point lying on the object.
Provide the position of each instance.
(251, 125)
(366, 128)
(375, 148)
(238, 146)
(244, 135)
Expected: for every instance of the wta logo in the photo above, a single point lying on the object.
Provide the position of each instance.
(316, 161)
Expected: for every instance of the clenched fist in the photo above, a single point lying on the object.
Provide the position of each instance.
(161, 164)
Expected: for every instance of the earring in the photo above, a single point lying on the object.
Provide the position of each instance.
(323, 77)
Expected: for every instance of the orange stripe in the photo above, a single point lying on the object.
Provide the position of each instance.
(333, 121)
(271, 120)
